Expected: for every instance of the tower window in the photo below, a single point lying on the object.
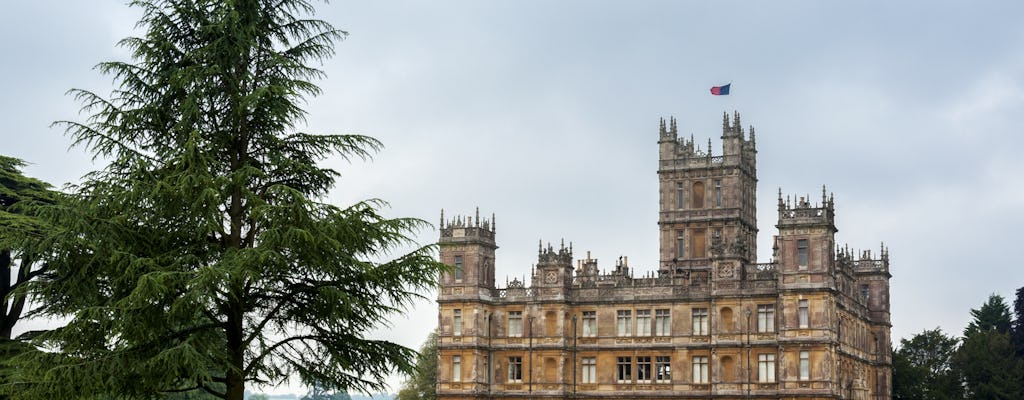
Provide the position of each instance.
(624, 323)
(643, 322)
(456, 368)
(718, 192)
(663, 369)
(662, 322)
(679, 195)
(643, 369)
(458, 269)
(515, 369)
(457, 322)
(700, 321)
(801, 253)
(805, 365)
(589, 370)
(698, 195)
(679, 245)
(804, 313)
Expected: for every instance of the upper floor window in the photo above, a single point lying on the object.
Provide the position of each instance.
(515, 324)
(458, 269)
(662, 322)
(624, 323)
(515, 369)
(766, 318)
(643, 369)
(589, 370)
(679, 244)
(590, 323)
(700, 321)
(801, 253)
(663, 369)
(457, 322)
(718, 192)
(804, 313)
(624, 373)
(766, 368)
(698, 195)
(643, 322)
(700, 369)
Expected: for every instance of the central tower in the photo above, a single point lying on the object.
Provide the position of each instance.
(706, 201)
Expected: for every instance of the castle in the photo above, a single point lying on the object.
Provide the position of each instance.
(711, 323)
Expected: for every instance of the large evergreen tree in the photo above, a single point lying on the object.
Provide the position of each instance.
(993, 315)
(202, 257)
(1018, 322)
(987, 359)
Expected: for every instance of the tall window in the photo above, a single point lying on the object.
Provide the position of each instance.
(805, 365)
(589, 370)
(662, 323)
(515, 369)
(865, 292)
(801, 253)
(766, 318)
(766, 368)
(643, 322)
(456, 368)
(515, 324)
(643, 369)
(625, 370)
(700, 369)
(804, 313)
(679, 244)
(624, 323)
(590, 323)
(662, 369)
(458, 269)
(698, 195)
(718, 192)
(700, 321)
(457, 322)
(679, 195)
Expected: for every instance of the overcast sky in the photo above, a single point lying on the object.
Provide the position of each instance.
(546, 114)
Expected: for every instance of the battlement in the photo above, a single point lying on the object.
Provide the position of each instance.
(863, 263)
(795, 211)
(468, 227)
(550, 256)
(679, 153)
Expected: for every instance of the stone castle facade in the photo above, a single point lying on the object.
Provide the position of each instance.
(710, 323)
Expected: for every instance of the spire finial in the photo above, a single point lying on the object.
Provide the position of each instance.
(540, 246)
(494, 224)
(478, 217)
(442, 218)
(725, 121)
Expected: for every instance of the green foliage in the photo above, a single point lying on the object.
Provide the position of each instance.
(993, 315)
(202, 257)
(990, 367)
(922, 367)
(1018, 324)
(20, 239)
(422, 383)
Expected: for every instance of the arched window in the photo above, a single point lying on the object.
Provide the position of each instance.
(698, 195)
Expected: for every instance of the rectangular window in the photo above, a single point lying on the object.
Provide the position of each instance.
(589, 370)
(700, 369)
(515, 324)
(805, 365)
(643, 369)
(801, 253)
(700, 321)
(457, 323)
(718, 192)
(515, 369)
(625, 370)
(624, 323)
(804, 314)
(865, 292)
(590, 323)
(679, 195)
(766, 318)
(766, 368)
(643, 322)
(456, 368)
(662, 323)
(458, 268)
(679, 245)
(663, 369)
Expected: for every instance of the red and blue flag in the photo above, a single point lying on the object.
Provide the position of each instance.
(720, 90)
